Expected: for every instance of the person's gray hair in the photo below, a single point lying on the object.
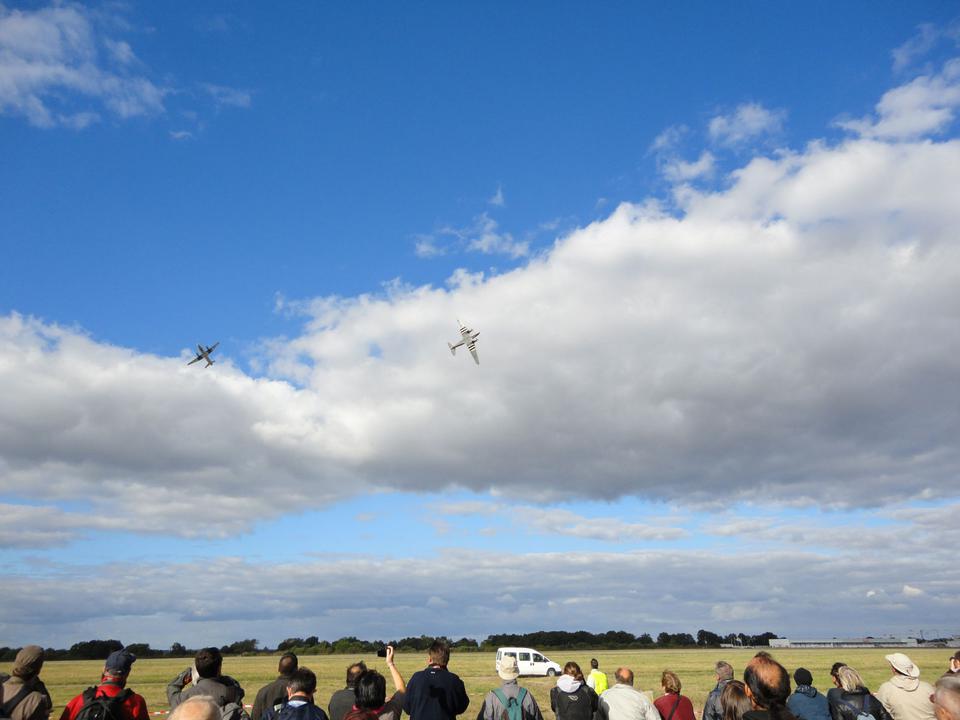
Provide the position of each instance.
(624, 675)
(198, 707)
(724, 670)
(849, 678)
(946, 694)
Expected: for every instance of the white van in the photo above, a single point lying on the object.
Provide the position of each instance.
(529, 661)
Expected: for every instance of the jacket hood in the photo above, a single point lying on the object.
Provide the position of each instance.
(905, 683)
(568, 683)
(807, 690)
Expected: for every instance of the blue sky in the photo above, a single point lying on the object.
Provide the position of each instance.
(711, 251)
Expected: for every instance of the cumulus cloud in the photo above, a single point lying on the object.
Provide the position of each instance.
(426, 247)
(668, 140)
(482, 235)
(53, 60)
(925, 105)
(786, 339)
(676, 170)
(747, 121)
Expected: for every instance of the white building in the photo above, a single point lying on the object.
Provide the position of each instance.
(846, 643)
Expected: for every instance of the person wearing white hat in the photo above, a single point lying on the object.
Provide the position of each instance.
(905, 695)
(509, 696)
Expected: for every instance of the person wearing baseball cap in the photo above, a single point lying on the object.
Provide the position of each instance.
(496, 702)
(112, 688)
(23, 696)
(905, 695)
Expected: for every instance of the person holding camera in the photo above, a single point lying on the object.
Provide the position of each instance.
(370, 693)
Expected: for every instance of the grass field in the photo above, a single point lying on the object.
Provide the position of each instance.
(65, 679)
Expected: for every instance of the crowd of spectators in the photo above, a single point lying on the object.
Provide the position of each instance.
(203, 692)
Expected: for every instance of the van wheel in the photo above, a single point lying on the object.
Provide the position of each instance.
(551, 672)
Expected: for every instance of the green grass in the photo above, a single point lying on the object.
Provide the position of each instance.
(67, 678)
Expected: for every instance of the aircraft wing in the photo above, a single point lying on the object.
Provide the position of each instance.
(472, 347)
(213, 347)
(198, 358)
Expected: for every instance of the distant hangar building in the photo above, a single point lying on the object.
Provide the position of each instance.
(868, 642)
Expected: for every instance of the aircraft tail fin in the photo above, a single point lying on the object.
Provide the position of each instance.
(453, 350)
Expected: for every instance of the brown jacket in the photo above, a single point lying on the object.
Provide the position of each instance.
(906, 698)
(35, 706)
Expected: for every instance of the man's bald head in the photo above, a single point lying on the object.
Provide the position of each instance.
(624, 676)
(767, 681)
(198, 707)
(946, 698)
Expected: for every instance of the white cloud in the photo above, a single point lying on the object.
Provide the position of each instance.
(53, 61)
(498, 200)
(556, 521)
(676, 170)
(918, 45)
(224, 96)
(493, 592)
(120, 51)
(923, 106)
(747, 121)
(668, 140)
(486, 237)
(181, 135)
(780, 340)
(427, 247)
(910, 591)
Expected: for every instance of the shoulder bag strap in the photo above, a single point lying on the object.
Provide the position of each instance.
(674, 708)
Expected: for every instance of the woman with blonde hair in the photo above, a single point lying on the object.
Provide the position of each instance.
(854, 699)
(572, 698)
(672, 705)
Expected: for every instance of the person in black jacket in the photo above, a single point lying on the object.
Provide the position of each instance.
(435, 693)
(301, 686)
(854, 698)
(276, 692)
(572, 698)
(712, 709)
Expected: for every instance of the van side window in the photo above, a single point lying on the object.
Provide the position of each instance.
(510, 654)
(525, 657)
(537, 657)
(498, 654)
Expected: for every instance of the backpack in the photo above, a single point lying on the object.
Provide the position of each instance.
(103, 707)
(7, 708)
(512, 709)
(231, 711)
(862, 712)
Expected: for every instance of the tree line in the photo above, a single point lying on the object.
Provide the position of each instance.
(543, 640)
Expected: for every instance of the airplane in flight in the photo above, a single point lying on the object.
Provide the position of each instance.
(204, 354)
(469, 338)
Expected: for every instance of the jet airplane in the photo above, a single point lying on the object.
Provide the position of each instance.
(204, 354)
(469, 338)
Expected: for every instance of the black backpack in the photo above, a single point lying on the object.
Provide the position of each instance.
(102, 707)
(7, 708)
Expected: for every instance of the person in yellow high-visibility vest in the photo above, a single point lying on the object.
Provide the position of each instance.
(596, 679)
